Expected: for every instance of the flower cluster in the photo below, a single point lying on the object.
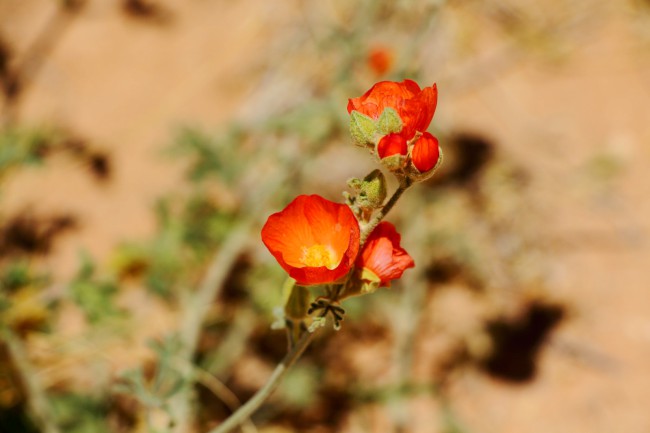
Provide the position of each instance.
(347, 247)
(391, 119)
(317, 242)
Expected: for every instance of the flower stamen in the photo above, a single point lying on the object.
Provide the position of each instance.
(319, 255)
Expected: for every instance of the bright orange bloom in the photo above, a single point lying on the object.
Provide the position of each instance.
(425, 153)
(380, 60)
(391, 144)
(383, 255)
(415, 106)
(315, 240)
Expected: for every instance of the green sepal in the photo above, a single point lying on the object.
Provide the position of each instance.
(362, 129)
(394, 162)
(364, 281)
(368, 275)
(389, 122)
(297, 303)
(287, 287)
(369, 281)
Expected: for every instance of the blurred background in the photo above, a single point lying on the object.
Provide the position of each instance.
(144, 143)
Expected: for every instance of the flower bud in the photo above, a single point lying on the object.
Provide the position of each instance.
(392, 151)
(391, 144)
(372, 191)
(426, 155)
(362, 129)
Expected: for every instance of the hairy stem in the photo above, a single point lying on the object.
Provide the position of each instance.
(245, 411)
(405, 183)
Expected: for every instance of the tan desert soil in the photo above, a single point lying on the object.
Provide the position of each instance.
(125, 84)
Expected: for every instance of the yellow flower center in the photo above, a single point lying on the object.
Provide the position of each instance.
(319, 255)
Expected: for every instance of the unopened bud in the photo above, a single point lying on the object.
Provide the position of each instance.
(372, 190)
(392, 150)
(426, 156)
(391, 144)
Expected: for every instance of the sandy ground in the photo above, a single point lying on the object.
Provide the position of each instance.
(111, 79)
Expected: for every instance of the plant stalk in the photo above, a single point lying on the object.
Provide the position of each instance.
(405, 183)
(245, 411)
(38, 404)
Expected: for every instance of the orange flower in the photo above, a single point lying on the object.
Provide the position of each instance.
(315, 240)
(415, 106)
(380, 60)
(383, 256)
(425, 153)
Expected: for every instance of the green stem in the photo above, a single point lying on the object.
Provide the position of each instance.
(37, 402)
(198, 305)
(196, 309)
(405, 183)
(219, 389)
(245, 411)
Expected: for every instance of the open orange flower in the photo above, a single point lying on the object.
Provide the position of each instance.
(383, 256)
(415, 106)
(315, 240)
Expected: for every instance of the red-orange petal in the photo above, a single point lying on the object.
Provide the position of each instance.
(418, 112)
(391, 144)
